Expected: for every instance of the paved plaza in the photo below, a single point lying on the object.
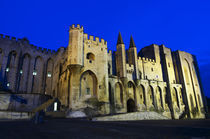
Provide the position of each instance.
(75, 128)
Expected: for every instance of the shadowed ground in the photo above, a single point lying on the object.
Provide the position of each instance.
(69, 128)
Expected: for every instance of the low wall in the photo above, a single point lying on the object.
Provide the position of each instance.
(13, 102)
(14, 115)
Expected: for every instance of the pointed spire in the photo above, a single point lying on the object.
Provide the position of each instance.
(119, 40)
(132, 44)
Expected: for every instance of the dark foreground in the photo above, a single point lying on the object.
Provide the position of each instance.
(68, 128)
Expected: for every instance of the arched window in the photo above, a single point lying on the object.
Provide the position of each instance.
(90, 56)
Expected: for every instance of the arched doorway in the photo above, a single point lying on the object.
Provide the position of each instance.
(131, 107)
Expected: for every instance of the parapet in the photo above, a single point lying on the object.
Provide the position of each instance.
(93, 39)
(76, 27)
(146, 60)
(40, 49)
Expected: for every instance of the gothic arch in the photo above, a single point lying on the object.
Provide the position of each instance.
(151, 96)
(88, 84)
(10, 69)
(159, 94)
(49, 76)
(119, 93)
(175, 97)
(131, 90)
(38, 75)
(142, 94)
(24, 72)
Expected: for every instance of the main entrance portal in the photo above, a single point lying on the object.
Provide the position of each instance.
(131, 107)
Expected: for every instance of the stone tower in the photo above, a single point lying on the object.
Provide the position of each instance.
(132, 57)
(75, 47)
(121, 57)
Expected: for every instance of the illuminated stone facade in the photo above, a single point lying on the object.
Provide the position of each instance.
(154, 79)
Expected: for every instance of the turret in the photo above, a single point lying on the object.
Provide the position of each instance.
(132, 57)
(75, 47)
(120, 57)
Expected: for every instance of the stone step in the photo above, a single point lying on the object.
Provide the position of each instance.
(56, 114)
(133, 116)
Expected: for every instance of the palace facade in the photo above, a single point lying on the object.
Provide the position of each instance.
(153, 79)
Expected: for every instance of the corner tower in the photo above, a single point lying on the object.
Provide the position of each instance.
(75, 47)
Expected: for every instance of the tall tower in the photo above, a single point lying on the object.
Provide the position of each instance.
(75, 47)
(132, 57)
(121, 58)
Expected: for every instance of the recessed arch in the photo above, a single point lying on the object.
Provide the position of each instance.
(24, 73)
(175, 96)
(37, 81)
(88, 84)
(142, 94)
(119, 93)
(131, 90)
(159, 93)
(151, 96)
(49, 76)
(10, 69)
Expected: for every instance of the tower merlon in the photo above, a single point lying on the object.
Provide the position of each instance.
(91, 38)
(97, 39)
(85, 35)
(76, 27)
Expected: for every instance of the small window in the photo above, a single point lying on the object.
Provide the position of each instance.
(90, 56)
(151, 69)
(168, 64)
(101, 49)
(88, 91)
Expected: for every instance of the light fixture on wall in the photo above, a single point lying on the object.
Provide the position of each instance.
(49, 74)
(34, 73)
(21, 71)
(7, 69)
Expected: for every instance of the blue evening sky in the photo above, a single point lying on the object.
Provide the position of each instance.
(179, 24)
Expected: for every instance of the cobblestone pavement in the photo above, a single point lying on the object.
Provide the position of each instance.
(74, 128)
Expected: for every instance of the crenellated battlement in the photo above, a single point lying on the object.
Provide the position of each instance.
(129, 68)
(18, 40)
(93, 39)
(73, 26)
(146, 60)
